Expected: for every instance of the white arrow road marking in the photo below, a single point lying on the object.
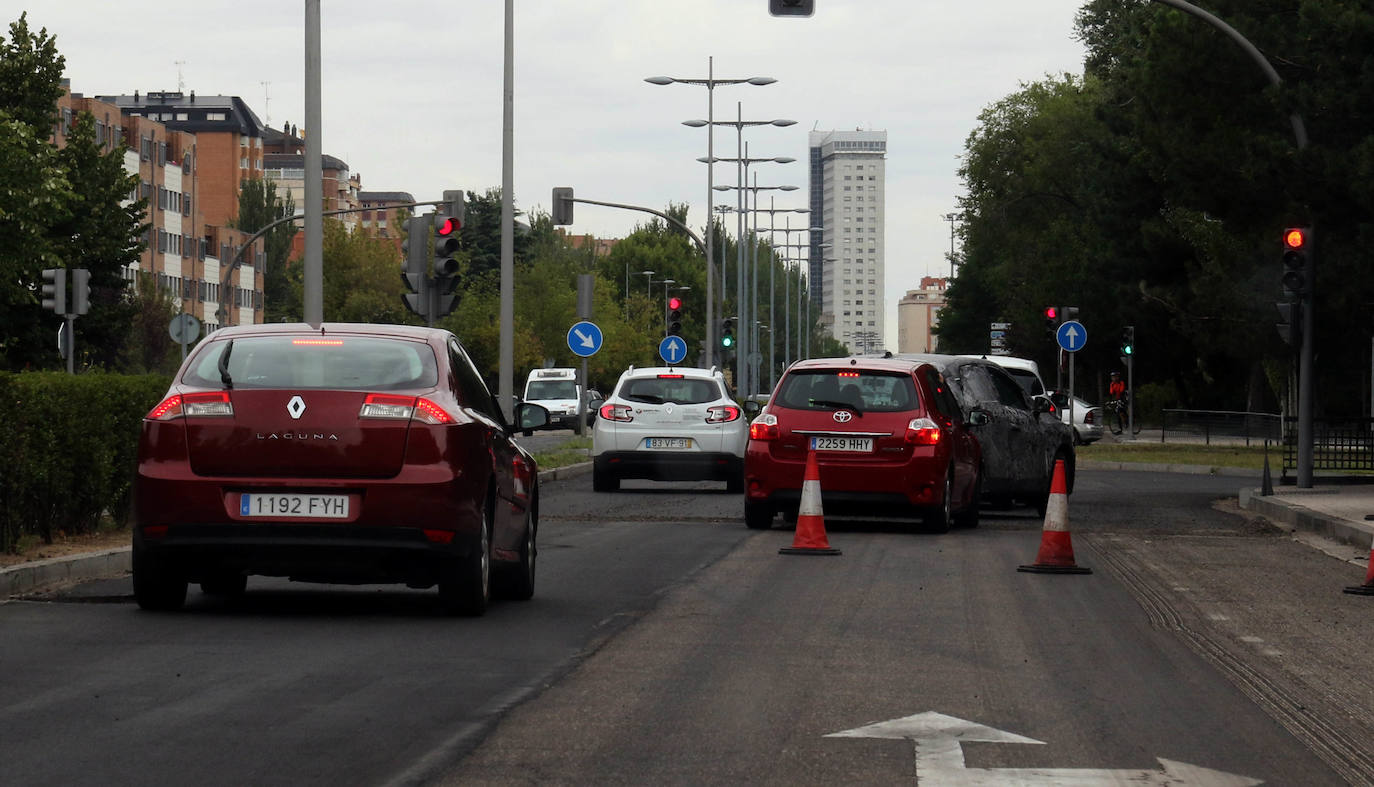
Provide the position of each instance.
(938, 741)
(585, 337)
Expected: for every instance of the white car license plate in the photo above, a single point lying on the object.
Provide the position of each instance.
(857, 444)
(670, 443)
(293, 505)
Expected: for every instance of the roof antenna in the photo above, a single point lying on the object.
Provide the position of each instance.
(181, 78)
(266, 104)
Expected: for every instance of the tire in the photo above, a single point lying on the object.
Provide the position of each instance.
(517, 581)
(224, 584)
(939, 520)
(157, 586)
(758, 516)
(968, 516)
(603, 481)
(465, 583)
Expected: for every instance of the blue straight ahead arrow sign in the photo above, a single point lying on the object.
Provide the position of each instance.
(1072, 336)
(672, 349)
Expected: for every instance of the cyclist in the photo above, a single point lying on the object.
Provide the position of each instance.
(1116, 401)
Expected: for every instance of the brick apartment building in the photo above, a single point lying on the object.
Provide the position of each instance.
(180, 149)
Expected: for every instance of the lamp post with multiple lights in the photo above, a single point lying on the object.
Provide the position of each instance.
(709, 83)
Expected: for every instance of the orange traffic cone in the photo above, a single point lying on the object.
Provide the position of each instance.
(810, 538)
(1056, 548)
(1367, 589)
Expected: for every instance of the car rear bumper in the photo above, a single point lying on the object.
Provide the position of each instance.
(306, 552)
(669, 465)
(917, 483)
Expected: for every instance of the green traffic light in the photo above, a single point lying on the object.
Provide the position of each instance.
(727, 341)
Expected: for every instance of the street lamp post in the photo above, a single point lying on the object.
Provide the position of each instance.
(772, 287)
(787, 244)
(739, 123)
(710, 83)
(951, 217)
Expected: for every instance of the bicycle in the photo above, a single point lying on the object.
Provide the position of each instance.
(1116, 417)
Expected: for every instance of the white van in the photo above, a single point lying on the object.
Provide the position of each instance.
(557, 390)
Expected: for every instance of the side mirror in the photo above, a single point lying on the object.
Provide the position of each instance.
(978, 417)
(752, 407)
(530, 416)
(1042, 404)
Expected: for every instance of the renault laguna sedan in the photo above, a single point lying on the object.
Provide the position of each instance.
(350, 454)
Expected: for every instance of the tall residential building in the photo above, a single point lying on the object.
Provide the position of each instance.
(184, 246)
(918, 312)
(847, 270)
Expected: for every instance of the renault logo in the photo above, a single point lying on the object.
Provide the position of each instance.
(843, 416)
(296, 407)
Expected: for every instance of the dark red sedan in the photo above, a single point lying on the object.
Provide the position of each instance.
(889, 437)
(349, 454)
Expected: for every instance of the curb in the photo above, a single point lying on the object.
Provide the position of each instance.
(1293, 514)
(27, 578)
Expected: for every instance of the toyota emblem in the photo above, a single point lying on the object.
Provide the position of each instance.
(843, 416)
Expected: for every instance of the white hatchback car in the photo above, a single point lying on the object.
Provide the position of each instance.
(669, 424)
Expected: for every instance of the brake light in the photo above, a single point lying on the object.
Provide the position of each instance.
(922, 431)
(402, 408)
(1090, 417)
(847, 374)
(765, 427)
(615, 412)
(721, 414)
(211, 404)
(318, 342)
(670, 377)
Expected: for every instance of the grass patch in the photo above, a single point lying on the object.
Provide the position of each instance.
(1251, 457)
(573, 452)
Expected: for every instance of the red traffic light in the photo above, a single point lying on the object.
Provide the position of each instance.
(1051, 312)
(448, 226)
(674, 303)
(1295, 238)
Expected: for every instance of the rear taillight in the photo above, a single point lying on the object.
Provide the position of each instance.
(765, 427)
(213, 404)
(403, 408)
(1090, 417)
(922, 431)
(721, 414)
(615, 412)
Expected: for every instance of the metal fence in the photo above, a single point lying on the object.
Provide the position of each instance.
(1220, 426)
(1337, 443)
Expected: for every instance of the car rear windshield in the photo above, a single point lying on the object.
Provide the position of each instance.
(551, 389)
(341, 362)
(661, 390)
(830, 390)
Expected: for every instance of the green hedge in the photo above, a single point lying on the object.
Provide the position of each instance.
(69, 450)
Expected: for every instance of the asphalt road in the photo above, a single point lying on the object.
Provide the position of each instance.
(669, 644)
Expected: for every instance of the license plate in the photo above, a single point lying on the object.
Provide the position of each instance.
(285, 505)
(857, 444)
(670, 443)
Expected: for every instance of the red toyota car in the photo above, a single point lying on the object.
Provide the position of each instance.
(343, 454)
(889, 437)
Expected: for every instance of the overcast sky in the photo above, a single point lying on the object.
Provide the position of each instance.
(412, 91)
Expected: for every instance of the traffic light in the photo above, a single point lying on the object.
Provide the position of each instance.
(446, 243)
(454, 205)
(81, 290)
(1067, 313)
(675, 316)
(55, 289)
(791, 7)
(727, 334)
(562, 205)
(1051, 319)
(1297, 266)
(415, 275)
(1290, 322)
(1127, 342)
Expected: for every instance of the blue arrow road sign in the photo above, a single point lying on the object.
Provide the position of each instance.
(584, 338)
(672, 349)
(1072, 336)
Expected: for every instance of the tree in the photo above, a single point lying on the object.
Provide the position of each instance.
(260, 205)
(149, 348)
(360, 279)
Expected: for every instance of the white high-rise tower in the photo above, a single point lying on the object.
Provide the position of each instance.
(848, 188)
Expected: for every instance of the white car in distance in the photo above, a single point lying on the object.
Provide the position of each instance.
(669, 424)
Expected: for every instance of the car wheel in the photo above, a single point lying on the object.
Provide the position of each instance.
(465, 583)
(224, 584)
(603, 481)
(968, 517)
(758, 516)
(939, 519)
(157, 586)
(517, 581)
